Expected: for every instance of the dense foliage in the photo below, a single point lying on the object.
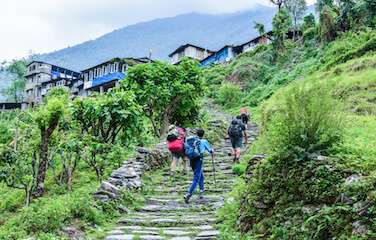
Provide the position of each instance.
(16, 71)
(52, 157)
(178, 89)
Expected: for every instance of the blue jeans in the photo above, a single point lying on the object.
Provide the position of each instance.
(198, 176)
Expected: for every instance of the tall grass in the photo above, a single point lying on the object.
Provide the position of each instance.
(307, 121)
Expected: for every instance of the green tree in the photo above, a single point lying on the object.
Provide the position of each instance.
(105, 116)
(309, 28)
(47, 118)
(15, 91)
(320, 4)
(296, 9)
(260, 28)
(278, 3)
(369, 6)
(18, 159)
(346, 14)
(68, 155)
(327, 27)
(281, 25)
(308, 22)
(168, 93)
(101, 119)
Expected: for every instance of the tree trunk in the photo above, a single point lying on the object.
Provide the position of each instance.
(28, 196)
(39, 190)
(165, 122)
(69, 179)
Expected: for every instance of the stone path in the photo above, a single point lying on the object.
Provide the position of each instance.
(166, 216)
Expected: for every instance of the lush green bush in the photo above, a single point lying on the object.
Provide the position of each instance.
(229, 95)
(239, 169)
(305, 121)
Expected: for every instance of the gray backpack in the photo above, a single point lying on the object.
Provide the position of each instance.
(235, 130)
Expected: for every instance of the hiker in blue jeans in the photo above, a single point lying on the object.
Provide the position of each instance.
(195, 148)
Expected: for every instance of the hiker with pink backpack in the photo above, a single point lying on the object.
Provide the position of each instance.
(175, 143)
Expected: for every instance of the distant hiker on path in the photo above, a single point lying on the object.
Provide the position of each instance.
(244, 114)
(175, 144)
(236, 132)
(195, 147)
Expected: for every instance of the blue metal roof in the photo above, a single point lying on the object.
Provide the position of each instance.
(108, 78)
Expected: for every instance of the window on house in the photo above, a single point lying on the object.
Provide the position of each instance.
(124, 67)
(116, 66)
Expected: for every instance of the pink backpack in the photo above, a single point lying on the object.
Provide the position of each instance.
(178, 144)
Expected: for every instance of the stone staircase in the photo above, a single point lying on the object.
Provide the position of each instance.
(166, 216)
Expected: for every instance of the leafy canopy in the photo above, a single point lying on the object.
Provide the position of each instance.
(168, 93)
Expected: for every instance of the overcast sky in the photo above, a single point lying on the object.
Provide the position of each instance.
(47, 25)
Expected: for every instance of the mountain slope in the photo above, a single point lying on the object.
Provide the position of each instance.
(161, 36)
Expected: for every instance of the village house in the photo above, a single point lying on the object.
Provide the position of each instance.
(229, 52)
(250, 45)
(11, 106)
(107, 75)
(191, 51)
(223, 55)
(41, 77)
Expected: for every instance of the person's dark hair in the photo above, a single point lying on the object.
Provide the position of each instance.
(239, 117)
(200, 132)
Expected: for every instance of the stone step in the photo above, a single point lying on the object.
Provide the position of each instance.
(181, 191)
(199, 228)
(221, 182)
(198, 205)
(171, 214)
(226, 182)
(176, 201)
(157, 237)
(202, 232)
(172, 197)
(168, 222)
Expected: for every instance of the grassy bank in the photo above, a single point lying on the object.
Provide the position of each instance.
(297, 90)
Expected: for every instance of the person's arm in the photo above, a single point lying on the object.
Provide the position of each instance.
(208, 148)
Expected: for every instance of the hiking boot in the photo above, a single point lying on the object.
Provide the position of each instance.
(186, 198)
(201, 195)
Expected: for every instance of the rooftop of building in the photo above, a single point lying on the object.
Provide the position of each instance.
(182, 47)
(130, 61)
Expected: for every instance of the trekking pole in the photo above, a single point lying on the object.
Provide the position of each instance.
(215, 181)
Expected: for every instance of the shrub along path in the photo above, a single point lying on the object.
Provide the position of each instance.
(166, 216)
